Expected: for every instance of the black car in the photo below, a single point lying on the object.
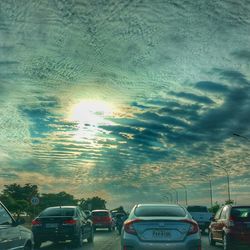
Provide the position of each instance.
(62, 223)
(12, 234)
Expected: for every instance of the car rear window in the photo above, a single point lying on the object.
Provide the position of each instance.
(58, 212)
(169, 211)
(241, 213)
(201, 209)
(101, 214)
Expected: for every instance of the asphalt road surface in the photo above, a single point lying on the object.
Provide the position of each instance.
(105, 240)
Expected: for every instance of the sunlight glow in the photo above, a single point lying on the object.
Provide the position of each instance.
(89, 114)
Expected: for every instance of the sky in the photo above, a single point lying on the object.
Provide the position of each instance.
(128, 100)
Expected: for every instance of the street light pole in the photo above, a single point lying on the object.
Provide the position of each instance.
(186, 195)
(210, 185)
(171, 196)
(228, 181)
(177, 195)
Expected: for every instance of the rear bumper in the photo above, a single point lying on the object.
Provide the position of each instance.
(40, 235)
(102, 225)
(131, 242)
(239, 238)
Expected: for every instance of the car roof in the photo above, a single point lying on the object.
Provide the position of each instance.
(239, 206)
(100, 210)
(62, 207)
(158, 205)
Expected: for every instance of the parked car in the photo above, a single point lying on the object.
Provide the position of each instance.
(103, 219)
(231, 226)
(201, 215)
(62, 223)
(12, 234)
(160, 226)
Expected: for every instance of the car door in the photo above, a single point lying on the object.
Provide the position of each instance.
(214, 227)
(9, 233)
(221, 222)
(86, 225)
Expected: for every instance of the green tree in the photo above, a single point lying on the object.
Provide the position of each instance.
(59, 199)
(229, 202)
(93, 203)
(17, 197)
(216, 206)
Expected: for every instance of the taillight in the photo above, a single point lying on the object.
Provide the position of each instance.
(70, 222)
(194, 227)
(231, 222)
(36, 222)
(107, 219)
(129, 226)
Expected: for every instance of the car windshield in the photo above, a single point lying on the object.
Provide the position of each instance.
(154, 211)
(100, 214)
(197, 209)
(58, 212)
(241, 213)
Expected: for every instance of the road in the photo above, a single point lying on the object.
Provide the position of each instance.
(105, 240)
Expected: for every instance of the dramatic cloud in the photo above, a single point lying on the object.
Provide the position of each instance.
(127, 99)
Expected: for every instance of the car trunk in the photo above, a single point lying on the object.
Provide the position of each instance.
(57, 223)
(162, 230)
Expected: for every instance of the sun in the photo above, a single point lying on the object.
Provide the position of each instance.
(89, 115)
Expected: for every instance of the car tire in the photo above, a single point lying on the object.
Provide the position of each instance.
(110, 229)
(37, 244)
(28, 246)
(78, 241)
(90, 239)
(212, 242)
(226, 243)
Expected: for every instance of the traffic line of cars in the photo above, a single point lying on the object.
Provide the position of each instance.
(148, 227)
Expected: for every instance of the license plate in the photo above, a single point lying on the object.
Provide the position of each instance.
(161, 234)
(51, 225)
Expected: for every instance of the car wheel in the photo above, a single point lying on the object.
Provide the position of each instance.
(226, 243)
(210, 239)
(28, 246)
(78, 242)
(90, 239)
(110, 229)
(37, 244)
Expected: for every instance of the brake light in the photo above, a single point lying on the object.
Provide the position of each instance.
(69, 222)
(107, 219)
(36, 222)
(129, 226)
(231, 221)
(194, 227)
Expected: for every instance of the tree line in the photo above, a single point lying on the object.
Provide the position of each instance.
(17, 199)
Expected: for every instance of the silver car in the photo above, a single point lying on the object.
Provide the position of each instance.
(158, 227)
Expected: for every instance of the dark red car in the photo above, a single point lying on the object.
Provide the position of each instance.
(231, 226)
(102, 219)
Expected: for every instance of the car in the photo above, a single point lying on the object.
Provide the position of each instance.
(102, 219)
(12, 234)
(231, 227)
(62, 223)
(158, 227)
(201, 215)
